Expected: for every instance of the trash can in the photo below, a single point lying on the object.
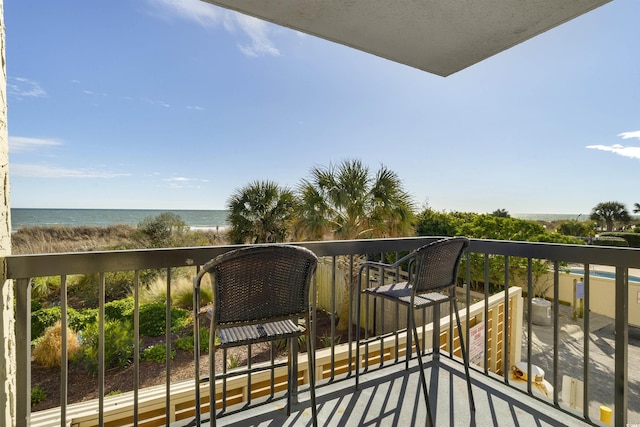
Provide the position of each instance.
(540, 311)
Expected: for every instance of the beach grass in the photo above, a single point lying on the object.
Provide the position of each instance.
(60, 239)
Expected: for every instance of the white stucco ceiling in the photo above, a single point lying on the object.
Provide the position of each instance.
(438, 36)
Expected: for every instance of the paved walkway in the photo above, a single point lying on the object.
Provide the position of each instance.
(601, 358)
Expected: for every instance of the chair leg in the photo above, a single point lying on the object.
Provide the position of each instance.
(358, 296)
(465, 359)
(212, 389)
(196, 353)
(290, 376)
(408, 343)
(423, 378)
(312, 377)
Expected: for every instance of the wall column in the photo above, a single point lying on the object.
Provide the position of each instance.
(7, 337)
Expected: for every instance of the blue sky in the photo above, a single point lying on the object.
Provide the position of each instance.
(165, 104)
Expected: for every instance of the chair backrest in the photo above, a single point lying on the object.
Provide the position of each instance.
(437, 264)
(260, 283)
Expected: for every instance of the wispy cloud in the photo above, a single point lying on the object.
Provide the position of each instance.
(195, 107)
(625, 151)
(20, 88)
(30, 170)
(208, 16)
(20, 144)
(628, 135)
(259, 32)
(182, 182)
(192, 10)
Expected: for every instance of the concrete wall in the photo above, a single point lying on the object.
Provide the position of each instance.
(7, 338)
(602, 293)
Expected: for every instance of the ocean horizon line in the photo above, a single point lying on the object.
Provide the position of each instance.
(513, 214)
(196, 219)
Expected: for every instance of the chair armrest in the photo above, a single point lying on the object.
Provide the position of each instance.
(396, 264)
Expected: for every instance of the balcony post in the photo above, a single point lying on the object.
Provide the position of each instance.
(621, 390)
(7, 336)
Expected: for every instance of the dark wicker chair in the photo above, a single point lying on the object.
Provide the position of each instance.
(433, 271)
(260, 293)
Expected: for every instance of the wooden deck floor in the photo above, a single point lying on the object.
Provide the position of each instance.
(392, 396)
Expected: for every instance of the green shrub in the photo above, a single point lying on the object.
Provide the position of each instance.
(632, 239)
(118, 345)
(153, 318)
(119, 309)
(42, 319)
(38, 394)
(84, 289)
(162, 231)
(83, 319)
(157, 353)
(187, 344)
(45, 288)
(46, 317)
(35, 305)
(557, 238)
(610, 241)
(577, 228)
(118, 284)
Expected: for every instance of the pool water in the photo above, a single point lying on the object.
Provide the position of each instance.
(604, 274)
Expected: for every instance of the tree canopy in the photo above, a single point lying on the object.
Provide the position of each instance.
(350, 202)
(165, 230)
(577, 228)
(501, 213)
(608, 213)
(260, 212)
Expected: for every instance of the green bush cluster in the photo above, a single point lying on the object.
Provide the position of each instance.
(632, 239)
(153, 319)
(38, 394)
(84, 289)
(187, 342)
(119, 309)
(610, 241)
(45, 288)
(118, 331)
(157, 353)
(118, 345)
(78, 320)
(46, 317)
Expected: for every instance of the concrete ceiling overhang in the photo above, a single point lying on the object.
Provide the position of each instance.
(437, 36)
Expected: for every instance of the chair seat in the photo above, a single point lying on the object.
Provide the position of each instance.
(401, 292)
(282, 329)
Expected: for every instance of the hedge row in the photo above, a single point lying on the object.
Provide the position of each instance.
(632, 239)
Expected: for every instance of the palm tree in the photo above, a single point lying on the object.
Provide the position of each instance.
(260, 212)
(609, 213)
(636, 208)
(346, 201)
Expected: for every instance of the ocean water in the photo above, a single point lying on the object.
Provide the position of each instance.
(551, 217)
(196, 219)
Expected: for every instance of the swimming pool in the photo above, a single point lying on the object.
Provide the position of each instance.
(604, 274)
